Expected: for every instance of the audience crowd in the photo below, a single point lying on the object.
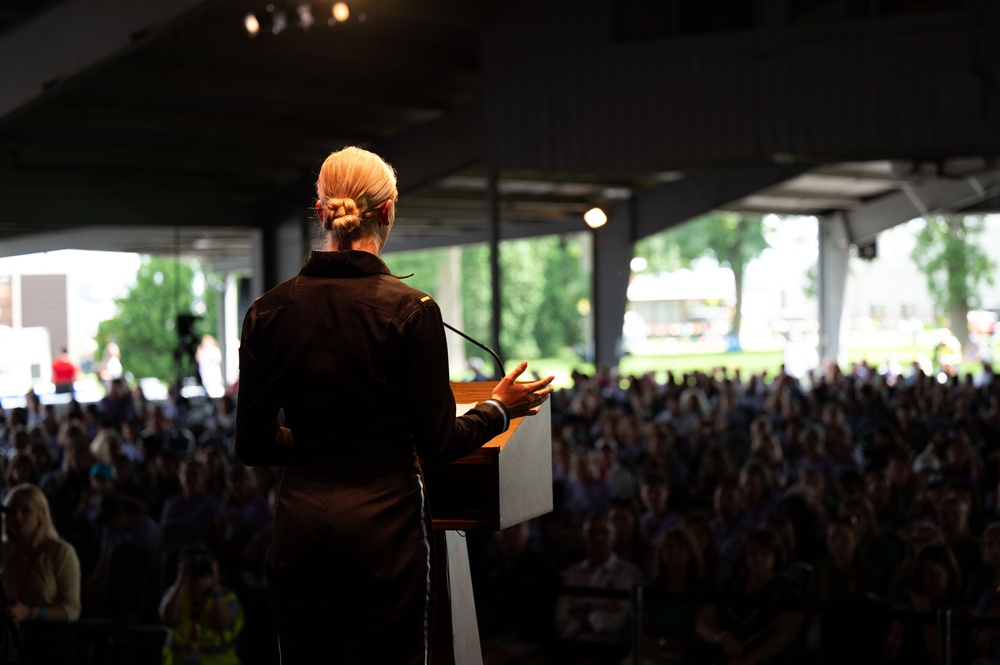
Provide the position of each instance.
(764, 519)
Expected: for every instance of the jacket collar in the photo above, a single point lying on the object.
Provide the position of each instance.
(347, 263)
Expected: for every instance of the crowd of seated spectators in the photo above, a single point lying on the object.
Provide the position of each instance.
(767, 520)
(168, 527)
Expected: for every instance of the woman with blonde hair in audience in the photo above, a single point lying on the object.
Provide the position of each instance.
(41, 575)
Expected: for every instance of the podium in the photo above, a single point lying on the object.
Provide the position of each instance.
(505, 482)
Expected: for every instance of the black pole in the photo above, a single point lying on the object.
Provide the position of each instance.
(493, 205)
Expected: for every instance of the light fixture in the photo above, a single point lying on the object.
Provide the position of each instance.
(638, 264)
(280, 17)
(595, 218)
(306, 18)
(279, 21)
(251, 24)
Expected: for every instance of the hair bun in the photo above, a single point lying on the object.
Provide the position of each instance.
(342, 214)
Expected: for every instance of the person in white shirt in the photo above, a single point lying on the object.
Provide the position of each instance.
(596, 619)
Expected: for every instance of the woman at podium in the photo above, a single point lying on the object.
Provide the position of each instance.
(344, 382)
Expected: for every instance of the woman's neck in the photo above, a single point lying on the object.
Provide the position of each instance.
(23, 544)
(676, 578)
(757, 582)
(364, 244)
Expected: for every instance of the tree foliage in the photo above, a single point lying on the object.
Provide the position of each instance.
(951, 257)
(144, 325)
(542, 284)
(732, 240)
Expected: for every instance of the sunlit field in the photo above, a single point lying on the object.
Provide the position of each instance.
(680, 357)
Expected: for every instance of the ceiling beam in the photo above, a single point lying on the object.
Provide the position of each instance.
(399, 242)
(699, 192)
(74, 37)
(437, 149)
(919, 199)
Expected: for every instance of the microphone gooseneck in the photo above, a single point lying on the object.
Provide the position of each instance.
(494, 354)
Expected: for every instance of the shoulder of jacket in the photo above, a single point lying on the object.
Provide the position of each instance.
(399, 299)
(282, 294)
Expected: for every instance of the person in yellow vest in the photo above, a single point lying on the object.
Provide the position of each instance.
(204, 617)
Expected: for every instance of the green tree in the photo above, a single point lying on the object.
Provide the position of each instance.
(950, 255)
(542, 283)
(732, 240)
(144, 325)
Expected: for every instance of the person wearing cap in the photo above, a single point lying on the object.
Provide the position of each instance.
(344, 382)
(102, 484)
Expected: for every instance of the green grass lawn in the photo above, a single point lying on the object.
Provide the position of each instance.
(749, 362)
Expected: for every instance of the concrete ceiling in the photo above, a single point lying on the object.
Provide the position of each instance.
(163, 127)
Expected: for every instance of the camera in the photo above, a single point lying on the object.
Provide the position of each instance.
(201, 564)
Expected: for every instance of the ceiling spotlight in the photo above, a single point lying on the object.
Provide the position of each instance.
(595, 218)
(341, 11)
(306, 18)
(638, 264)
(251, 24)
(280, 22)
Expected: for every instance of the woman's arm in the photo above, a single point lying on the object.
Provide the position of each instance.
(67, 604)
(430, 405)
(170, 607)
(224, 610)
(783, 636)
(260, 438)
(893, 641)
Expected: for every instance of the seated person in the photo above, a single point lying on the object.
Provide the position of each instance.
(600, 622)
(936, 585)
(122, 521)
(758, 618)
(846, 587)
(515, 597)
(203, 617)
(41, 573)
(656, 518)
(193, 505)
(679, 574)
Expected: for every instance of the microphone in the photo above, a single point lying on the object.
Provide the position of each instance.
(482, 346)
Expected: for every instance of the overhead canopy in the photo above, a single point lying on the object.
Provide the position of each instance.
(154, 115)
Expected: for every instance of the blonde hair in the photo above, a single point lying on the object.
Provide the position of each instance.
(105, 445)
(35, 496)
(352, 186)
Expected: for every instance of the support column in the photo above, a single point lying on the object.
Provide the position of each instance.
(258, 262)
(285, 247)
(834, 254)
(449, 299)
(613, 248)
(231, 328)
(493, 203)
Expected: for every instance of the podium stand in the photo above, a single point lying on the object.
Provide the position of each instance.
(505, 482)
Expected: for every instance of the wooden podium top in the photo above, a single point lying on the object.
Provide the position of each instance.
(506, 481)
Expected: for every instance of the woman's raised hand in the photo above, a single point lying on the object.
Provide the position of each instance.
(522, 399)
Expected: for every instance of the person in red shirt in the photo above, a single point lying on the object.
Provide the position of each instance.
(63, 372)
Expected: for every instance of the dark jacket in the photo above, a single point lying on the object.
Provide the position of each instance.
(356, 363)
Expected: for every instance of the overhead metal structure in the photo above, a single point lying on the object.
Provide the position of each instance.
(150, 126)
